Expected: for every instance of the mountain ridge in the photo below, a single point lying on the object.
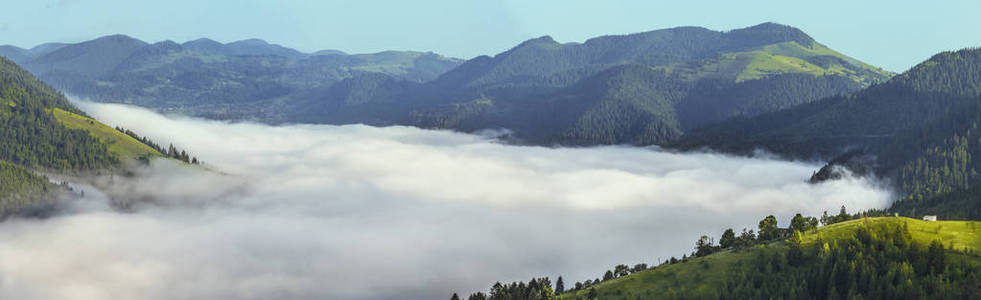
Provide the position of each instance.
(535, 70)
(917, 130)
(512, 89)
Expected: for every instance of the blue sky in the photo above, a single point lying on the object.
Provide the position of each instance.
(891, 34)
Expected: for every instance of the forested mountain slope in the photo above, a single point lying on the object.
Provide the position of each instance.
(919, 129)
(42, 131)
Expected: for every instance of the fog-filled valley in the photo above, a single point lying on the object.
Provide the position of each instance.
(360, 212)
(499, 150)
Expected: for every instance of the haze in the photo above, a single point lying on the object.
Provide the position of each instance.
(358, 212)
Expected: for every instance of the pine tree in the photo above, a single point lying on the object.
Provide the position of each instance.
(728, 239)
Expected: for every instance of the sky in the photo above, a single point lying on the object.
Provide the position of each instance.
(892, 34)
(360, 212)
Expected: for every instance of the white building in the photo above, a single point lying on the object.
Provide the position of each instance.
(930, 218)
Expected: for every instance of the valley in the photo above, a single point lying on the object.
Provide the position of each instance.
(252, 170)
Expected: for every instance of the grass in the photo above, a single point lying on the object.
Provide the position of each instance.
(760, 64)
(119, 143)
(796, 50)
(701, 276)
(780, 58)
(958, 235)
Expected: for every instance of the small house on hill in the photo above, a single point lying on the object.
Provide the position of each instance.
(930, 218)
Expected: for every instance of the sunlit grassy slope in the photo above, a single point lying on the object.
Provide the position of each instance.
(119, 143)
(782, 58)
(704, 275)
(958, 235)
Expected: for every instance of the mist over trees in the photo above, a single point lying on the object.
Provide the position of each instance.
(919, 130)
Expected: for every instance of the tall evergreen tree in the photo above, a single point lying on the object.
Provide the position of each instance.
(728, 239)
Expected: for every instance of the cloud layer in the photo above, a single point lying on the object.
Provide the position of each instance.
(358, 212)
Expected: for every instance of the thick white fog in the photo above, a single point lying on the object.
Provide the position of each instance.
(358, 212)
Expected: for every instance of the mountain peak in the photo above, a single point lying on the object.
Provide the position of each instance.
(117, 38)
(202, 41)
(772, 33)
(770, 25)
(251, 42)
(261, 47)
(329, 52)
(544, 40)
(205, 45)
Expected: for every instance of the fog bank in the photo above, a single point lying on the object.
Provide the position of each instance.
(359, 212)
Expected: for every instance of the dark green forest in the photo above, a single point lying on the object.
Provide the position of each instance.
(21, 189)
(918, 130)
(32, 137)
(881, 261)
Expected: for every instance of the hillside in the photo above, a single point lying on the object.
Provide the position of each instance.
(918, 129)
(44, 132)
(22, 191)
(870, 258)
(20, 55)
(724, 275)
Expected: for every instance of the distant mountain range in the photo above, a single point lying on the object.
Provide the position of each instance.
(208, 78)
(644, 88)
(767, 87)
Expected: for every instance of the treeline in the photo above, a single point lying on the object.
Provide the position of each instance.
(170, 151)
(767, 231)
(881, 261)
(535, 289)
(960, 204)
